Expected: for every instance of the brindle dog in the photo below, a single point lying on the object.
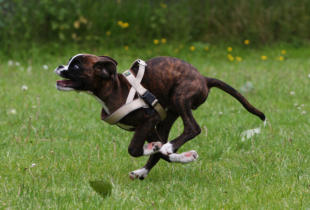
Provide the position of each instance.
(177, 85)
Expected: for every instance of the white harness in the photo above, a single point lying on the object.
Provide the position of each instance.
(145, 99)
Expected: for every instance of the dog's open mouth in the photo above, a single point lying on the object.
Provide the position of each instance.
(66, 84)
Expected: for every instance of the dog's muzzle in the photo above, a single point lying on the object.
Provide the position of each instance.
(61, 68)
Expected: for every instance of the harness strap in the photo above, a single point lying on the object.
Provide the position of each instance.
(125, 109)
(146, 95)
(139, 77)
(146, 99)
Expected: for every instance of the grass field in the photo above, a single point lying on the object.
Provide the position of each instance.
(53, 143)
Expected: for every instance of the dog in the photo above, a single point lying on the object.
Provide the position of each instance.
(177, 85)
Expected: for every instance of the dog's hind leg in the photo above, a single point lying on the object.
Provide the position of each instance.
(183, 104)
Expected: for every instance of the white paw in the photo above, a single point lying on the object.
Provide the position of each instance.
(184, 157)
(138, 174)
(151, 148)
(166, 149)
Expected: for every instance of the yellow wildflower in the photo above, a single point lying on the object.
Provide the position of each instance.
(120, 23)
(281, 58)
(192, 48)
(246, 42)
(229, 49)
(230, 57)
(263, 57)
(74, 36)
(125, 25)
(126, 47)
(108, 33)
(163, 40)
(163, 5)
(238, 58)
(76, 24)
(206, 48)
(156, 41)
(283, 52)
(83, 20)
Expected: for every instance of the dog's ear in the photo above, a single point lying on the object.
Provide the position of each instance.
(105, 67)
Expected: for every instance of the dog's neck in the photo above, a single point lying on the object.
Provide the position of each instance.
(116, 96)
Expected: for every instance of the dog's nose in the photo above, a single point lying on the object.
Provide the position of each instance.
(59, 69)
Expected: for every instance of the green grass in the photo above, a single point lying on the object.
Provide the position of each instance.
(62, 134)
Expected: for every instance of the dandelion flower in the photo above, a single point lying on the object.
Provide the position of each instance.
(24, 87)
(229, 49)
(125, 25)
(246, 42)
(120, 23)
(156, 41)
(263, 57)
(281, 58)
(192, 48)
(163, 5)
(74, 36)
(163, 40)
(206, 48)
(230, 57)
(83, 20)
(108, 33)
(238, 58)
(76, 24)
(283, 52)
(126, 47)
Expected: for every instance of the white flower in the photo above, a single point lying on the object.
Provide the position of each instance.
(302, 105)
(292, 93)
(17, 63)
(45, 67)
(220, 113)
(296, 104)
(10, 63)
(12, 111)
(303, 112)
(309, 75)
(29, 69)
(24, 87)
(33, 165)
(34, 106)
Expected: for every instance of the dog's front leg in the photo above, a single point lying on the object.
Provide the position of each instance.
(137, 147)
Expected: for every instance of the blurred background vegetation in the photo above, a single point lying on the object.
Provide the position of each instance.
(58, 23)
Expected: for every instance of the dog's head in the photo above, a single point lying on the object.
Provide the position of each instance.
(85, 72)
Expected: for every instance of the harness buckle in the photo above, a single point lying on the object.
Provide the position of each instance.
(149, 98)
(141, 62)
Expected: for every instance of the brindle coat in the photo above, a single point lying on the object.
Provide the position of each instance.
(177, 85)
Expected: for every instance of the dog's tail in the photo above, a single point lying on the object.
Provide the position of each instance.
(211, 82)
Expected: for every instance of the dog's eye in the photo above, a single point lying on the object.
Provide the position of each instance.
(76, 67)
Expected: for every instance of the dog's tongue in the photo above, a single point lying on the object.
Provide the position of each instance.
(64, 83)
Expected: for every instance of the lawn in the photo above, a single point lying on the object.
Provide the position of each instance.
(53, 143)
